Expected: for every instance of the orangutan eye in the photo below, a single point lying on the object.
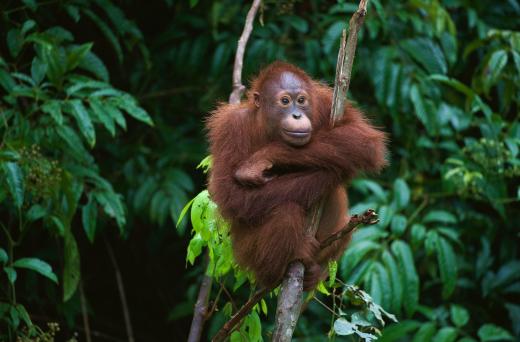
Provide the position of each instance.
(301, 100)
(285, 100)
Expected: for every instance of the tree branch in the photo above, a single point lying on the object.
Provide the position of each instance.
(290, 297)
(201, 307)
(239, 315)
(238, 87)
(293, 280)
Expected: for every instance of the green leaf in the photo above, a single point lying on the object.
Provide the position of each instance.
(14, 182)
(343, 327)
(491, 332)
(446, 334)
(426, 53)
(38, 266)
(113, 206)
(447, 262)
(3, 256)
(24, 315)
(494, 68)
(102, 115)
(398, 225)
(84, 122)
(76, 54)
(72, 266)
(419, 105)
(425, 332)
(183, 212)
(36, 212)
(89, 217)
(107, 32)
(53, 108)
(410, 278)
(418, 232)
(15, 41)
(397, 283)
(11, 274)
(440, 216)
(38, 70)
(254, 327)
(401, 193)
(92, 63)
(135, 111)
(459, 315)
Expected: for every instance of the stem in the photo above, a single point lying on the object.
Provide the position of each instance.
(238, 87)
(201, 306)
(122, 296)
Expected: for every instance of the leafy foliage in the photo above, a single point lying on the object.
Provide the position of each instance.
(441, 76)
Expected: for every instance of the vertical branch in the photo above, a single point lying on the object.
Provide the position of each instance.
(291, 297)
(122, 295)
(201, 307)
(238, 87)
(84, 313)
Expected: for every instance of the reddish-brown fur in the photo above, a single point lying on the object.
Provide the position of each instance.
(268, 220)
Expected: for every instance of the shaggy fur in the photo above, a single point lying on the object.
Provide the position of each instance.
(268, 221)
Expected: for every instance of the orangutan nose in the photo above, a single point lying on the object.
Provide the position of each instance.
(297, 115)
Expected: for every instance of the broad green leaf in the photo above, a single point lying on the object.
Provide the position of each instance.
(426, 53)
(410, 278)
(92, 63)
(6, 80)
(14, 41)
(396, 280)
(195, 248)
(401, 193)
(36, 212)
(3, 256)
(447, 262)
(135, 111)
(15, 182)
(440, 216)
(418, 232)
(425, 332)
(53, 108)
(72, 267)
(89, 217)
(84, 122)
(419, 105)
(103, 115)
(24, 315)
(494, 68)
(355, 253)
(38, 70)
(459, 315)
(254, 327)
(38, 266)
(398, 225)
(491, 332)
(107, 32)
(446, 334)
(113, 206)
(11, 274)
(76, 54)
(395, 332)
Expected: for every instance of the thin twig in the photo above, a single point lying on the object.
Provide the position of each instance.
(367, 218)
(239, 315)
(200, 313)
(84, 313)
(122, 296)
(238, 87)
(285, 321)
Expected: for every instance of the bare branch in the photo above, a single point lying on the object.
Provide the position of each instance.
(369, 217)
(201, 307)
(238, 87)
(293, 294)
(122, 295)
(239, 315)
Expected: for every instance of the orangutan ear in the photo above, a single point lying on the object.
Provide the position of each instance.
(256, 99)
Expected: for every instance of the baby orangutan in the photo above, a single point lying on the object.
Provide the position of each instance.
(274, 156)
